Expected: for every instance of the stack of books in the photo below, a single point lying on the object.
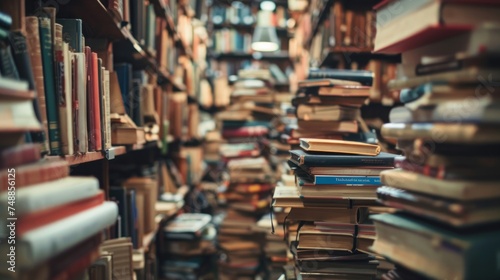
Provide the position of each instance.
(328, 105)
(44, 206)
(247, 198)
(446, 186)
(333, 195)
(244, 127)
(189, 248)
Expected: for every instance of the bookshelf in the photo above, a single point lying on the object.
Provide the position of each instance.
(149, 57)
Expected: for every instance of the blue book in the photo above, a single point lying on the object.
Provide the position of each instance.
(72, 33)
(124, 74)
(346, 180)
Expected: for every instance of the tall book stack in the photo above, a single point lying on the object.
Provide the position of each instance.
(245, 124)
(189, 248)
(445, 186)
(334, 193)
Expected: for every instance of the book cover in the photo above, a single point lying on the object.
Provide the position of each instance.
(310, 160)
(72, 33)
(96, 102)
(33, 173)
(80, 103)
(47, 53)
(362, 76)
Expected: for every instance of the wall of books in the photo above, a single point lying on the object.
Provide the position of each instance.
(158, 139)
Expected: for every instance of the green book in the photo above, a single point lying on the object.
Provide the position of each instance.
(49, 83)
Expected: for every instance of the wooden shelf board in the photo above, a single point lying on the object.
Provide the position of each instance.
(97, 21)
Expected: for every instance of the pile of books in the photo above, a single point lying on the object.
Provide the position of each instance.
(43, 205)
(248, 199)
(188, 247)
(328, 106)
(245, 126)
(446, 187)
(334, 193)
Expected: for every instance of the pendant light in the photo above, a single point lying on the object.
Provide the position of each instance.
(264, 38)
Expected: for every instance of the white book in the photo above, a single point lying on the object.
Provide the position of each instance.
(65, 104)
(18, 115)
(80, 95)
(107, 111)
(49, 194)
(43, 243)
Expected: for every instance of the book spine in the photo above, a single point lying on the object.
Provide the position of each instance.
(60, 88)
(90, 100)
(29, 175)
(347, 180)
(50, 89)
(50, 240)
(37, 219)
(107, 111)
(7, 66)
(34, 50)
(353, 161)
(96, 102)
(19, 155)
(67, 99)
(80, 103)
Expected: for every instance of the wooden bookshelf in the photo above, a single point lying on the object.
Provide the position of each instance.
(97, 21)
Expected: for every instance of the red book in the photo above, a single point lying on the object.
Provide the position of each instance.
(249, 131)
(76, 259)
(19, 155)
(90, 100)
(96, 102)
(37, 219)
(39, 172)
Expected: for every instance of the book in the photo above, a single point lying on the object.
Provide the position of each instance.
(475, 250)
(464, 190)
(119, 196)
(40, 244)
(309, 99)
(187, 226)
(80, 103)
(95, 103)
(447, 211)
(429, 22)
(339, 146)
(449, 132)
(106, 110)
(19, 116)
(53, 193)
(325, 160)
(312, 238)
(8, 67)
(350, 216)
(483, 110)
(316, 83)
(47, 54)
(33, 173)
(326, 113)
(72, 33)
(19, 155)
(362, 76)
(340, 180)
(32, 220)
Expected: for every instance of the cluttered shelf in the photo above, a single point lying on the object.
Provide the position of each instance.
(100, 23)
(108, 154)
